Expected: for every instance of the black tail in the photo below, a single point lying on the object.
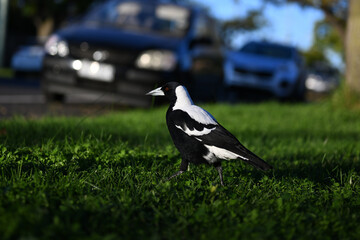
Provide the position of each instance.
(259, 163)
(252, 159)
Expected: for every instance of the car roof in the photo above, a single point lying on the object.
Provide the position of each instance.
(271, 44)
(189, 6)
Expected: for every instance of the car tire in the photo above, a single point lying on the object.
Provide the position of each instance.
(299, 91)
(54, 97)
(297, 94)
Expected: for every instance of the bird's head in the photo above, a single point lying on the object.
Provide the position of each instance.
(173, 91)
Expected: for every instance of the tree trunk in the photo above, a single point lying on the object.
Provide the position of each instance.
(44, 27)
(353, 47)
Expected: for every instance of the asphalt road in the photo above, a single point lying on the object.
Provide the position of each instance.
(21, 91)
(23, 97)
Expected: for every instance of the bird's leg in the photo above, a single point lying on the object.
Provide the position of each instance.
(219, 169)
(183, 167)
(175, 174)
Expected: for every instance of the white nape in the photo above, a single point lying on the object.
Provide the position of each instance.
(184, 103)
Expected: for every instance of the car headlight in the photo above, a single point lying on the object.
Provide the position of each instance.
(56, 46)
(157, 60)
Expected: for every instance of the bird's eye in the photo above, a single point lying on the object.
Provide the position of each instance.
(166, 89)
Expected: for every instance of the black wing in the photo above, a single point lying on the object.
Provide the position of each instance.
(182, 119)
(222, 138)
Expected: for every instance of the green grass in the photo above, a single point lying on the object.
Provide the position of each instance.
(103, 177)
(6, 72)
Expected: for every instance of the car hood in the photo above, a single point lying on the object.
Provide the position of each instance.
(256, 62)
(118, 38)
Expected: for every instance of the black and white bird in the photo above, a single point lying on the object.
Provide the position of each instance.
(198, 136)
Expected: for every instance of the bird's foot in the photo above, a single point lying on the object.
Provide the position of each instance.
(222, 183)
(175, 174)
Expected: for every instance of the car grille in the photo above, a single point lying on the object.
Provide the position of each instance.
(258, 73)
(113, 55)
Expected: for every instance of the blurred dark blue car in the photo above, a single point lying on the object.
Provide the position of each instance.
(122, 49)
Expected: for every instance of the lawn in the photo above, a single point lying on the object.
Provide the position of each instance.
(104, 177)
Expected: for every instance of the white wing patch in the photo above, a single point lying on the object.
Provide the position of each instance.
(195, 132)
(220, 153)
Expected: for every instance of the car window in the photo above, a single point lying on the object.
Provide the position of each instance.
(206, 30)
(268, 50)
(159, 18)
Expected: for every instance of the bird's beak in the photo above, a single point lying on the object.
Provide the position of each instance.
(156, 92)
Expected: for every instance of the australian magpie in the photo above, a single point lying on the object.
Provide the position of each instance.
(198, 136)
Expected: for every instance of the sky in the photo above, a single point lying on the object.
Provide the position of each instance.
(289, 24)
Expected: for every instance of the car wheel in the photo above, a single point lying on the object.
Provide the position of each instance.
(54, 97)
(299, 91)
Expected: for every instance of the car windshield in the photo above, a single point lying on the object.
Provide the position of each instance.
(158, 18)
(268, 50)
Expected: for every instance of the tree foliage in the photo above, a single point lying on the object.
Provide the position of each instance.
(252, 21)
(49, 14)
(55, 12)
(325, 38)
(335, 11)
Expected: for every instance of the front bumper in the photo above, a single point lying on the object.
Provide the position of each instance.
(127, 85)
(280, 86)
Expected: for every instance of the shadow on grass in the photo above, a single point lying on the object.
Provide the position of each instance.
(306, 134)
(24, 133)
(30, 134)
(318, 172)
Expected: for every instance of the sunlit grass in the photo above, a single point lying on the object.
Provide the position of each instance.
(103, 177)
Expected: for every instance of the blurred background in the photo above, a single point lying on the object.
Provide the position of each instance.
(64, 56)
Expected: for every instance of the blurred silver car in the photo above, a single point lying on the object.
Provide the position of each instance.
(270, 67)
(322, 78)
